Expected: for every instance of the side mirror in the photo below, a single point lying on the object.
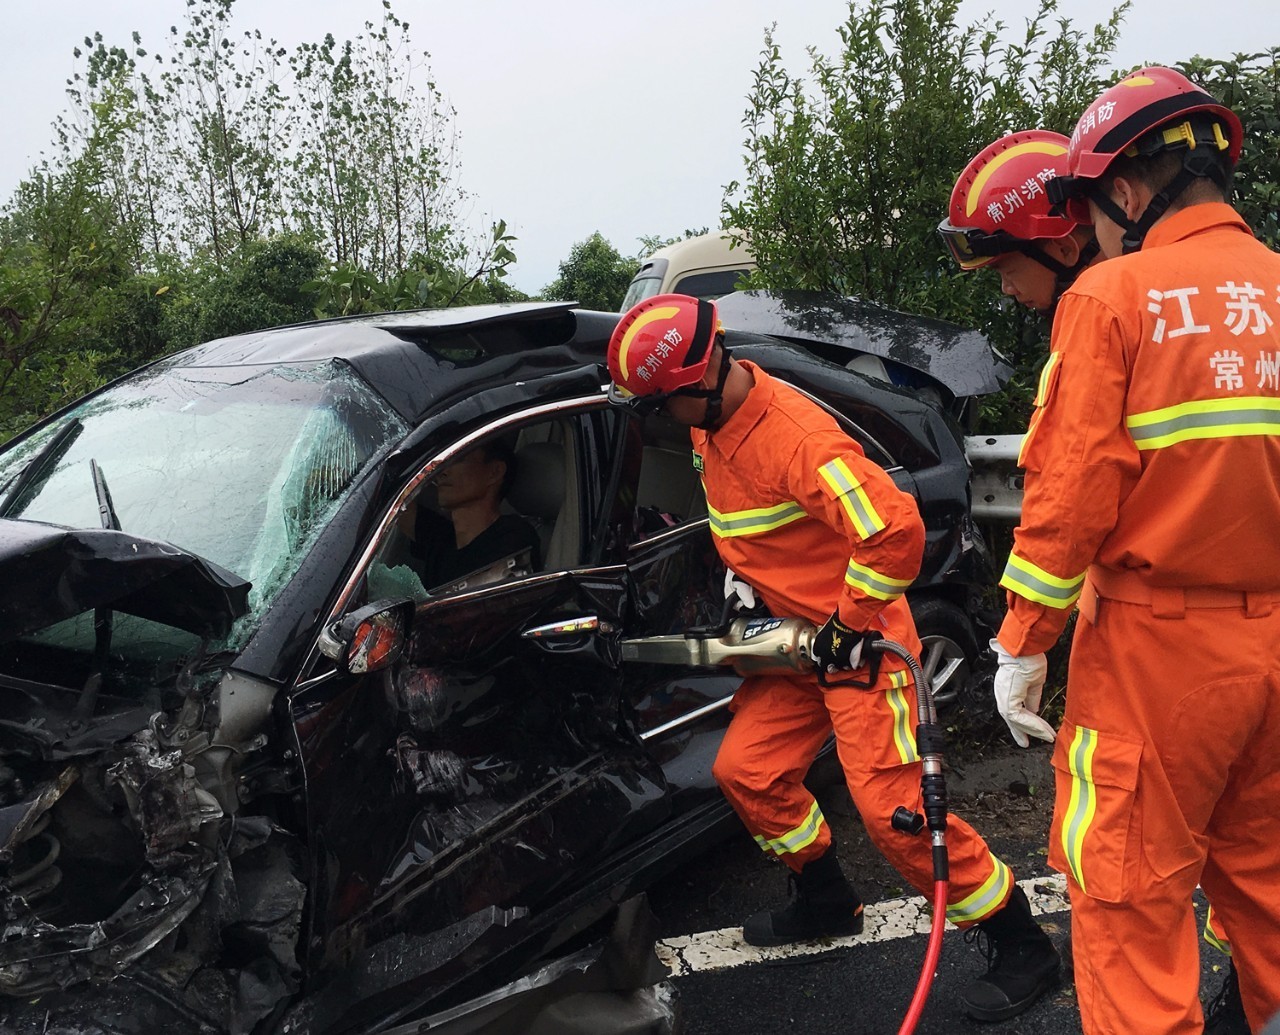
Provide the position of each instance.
(368, 639)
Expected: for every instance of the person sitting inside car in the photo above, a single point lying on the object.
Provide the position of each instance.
(472, 533)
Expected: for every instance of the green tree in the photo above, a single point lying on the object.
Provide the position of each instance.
(848, 174)
(223, 185)
(345, 289)
(269, 286)
(595, 275)
(1249, 84)
(64, 257)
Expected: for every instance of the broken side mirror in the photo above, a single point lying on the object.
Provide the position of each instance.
(370, 638)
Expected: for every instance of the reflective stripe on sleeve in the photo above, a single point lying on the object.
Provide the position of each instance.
(853, 497)
(753, 522)
(1027, 580)
(988, 899)
(872, 583)
(1083, 802)
(1042, 389)
(1207, 418)
(794, 840)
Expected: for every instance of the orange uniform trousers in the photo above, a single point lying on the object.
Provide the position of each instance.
(779, 724)
(1168, 775)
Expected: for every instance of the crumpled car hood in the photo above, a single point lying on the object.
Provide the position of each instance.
(51, 573)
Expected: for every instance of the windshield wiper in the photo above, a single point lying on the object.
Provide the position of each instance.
(106, 509)
(103, 620)
(39, 465)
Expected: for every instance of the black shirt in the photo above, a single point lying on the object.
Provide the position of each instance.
(441, 561)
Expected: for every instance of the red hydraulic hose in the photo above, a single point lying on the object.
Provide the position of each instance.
(931, 955)
(933, 792)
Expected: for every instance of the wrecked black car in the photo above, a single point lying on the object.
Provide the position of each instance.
(258, 772)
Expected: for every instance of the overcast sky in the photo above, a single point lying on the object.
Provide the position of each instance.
(574, 116)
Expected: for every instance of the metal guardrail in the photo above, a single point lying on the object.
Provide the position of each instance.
(995, 479)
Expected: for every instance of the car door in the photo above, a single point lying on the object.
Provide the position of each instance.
(494, 763)
(660, 532)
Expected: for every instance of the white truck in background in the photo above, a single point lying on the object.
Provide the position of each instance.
(705, 267)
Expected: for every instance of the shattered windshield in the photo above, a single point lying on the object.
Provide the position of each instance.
(241, 466)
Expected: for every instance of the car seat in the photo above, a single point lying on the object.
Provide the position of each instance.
(538, 493)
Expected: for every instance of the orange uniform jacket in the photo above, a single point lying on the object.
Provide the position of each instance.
(1153, 450)
(801, 514)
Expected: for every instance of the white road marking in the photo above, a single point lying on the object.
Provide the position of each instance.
(892, 918)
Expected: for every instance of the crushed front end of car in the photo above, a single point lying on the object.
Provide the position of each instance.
(112, 849)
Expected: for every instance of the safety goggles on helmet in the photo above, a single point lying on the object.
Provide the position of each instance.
(640, 405)
(973, 247)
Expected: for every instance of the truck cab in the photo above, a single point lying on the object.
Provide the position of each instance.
(706, 267)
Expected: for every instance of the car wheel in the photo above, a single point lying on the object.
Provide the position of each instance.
(949, 647)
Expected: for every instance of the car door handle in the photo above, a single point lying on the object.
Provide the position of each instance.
(567, 628)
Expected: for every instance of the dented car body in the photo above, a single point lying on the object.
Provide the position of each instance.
(257, 774)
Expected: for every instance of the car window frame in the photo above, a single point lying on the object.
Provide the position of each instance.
(386, 523)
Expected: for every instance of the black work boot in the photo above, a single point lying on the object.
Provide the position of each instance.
(1225, 1012)
(824, 905)
(1022, 963)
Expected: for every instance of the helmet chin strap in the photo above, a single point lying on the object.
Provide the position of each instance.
(1195, 164)
(1064, 275)
(715, 396)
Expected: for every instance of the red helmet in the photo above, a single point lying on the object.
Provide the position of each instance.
(661, 345)
(999, 201)
(1123, 115)
(1139, 103)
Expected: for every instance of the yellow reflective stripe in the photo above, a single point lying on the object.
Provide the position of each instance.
(872, 583)
(853, 497)
(904, 737)
(794, 840)
(1042, 389)
(986, 900)
(1207, 418)
(1027, 580)
(752, 522)
(1083, 802)
(1212, 937)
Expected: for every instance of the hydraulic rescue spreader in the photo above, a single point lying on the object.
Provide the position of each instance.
(757, 646)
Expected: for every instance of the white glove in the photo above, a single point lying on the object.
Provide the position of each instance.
(735, 587)
(1019, 684)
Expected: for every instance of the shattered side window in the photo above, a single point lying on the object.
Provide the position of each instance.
(240, 466)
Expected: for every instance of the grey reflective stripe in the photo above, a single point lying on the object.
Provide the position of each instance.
(982, 902)
(752, 522)
(1211, 418)
(1034, 583)
(873, 583)
(794, 840)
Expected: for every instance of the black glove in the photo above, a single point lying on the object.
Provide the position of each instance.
(837, 647)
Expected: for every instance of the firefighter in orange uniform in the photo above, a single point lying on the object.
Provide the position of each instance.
(820, 532)
(1000, 219)
(1152, 501)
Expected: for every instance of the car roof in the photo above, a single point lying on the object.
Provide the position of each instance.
(414, 358)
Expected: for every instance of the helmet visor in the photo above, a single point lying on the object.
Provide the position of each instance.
(640, 405)
(644, 405)
(973, 248)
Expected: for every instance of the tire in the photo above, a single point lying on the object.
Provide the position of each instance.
(949, 647)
